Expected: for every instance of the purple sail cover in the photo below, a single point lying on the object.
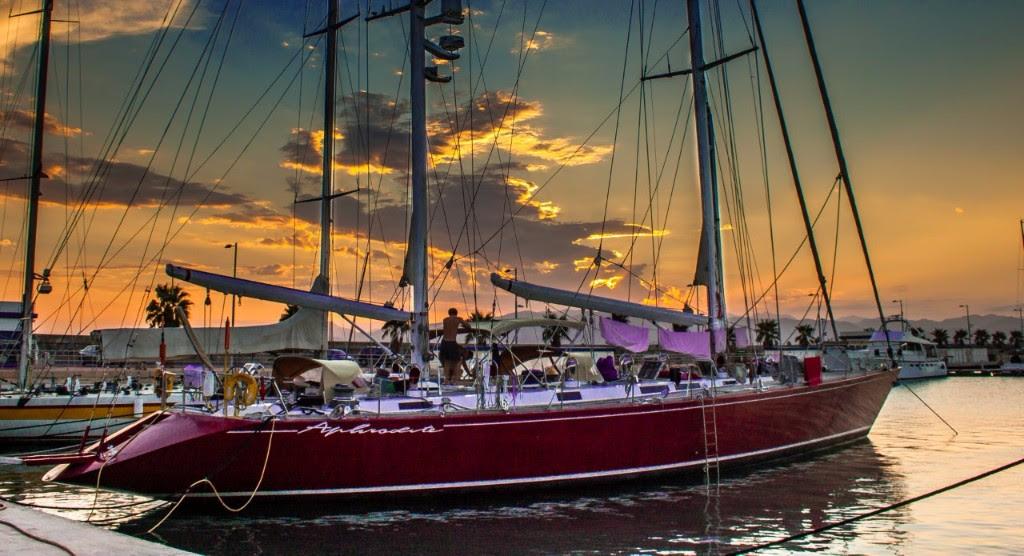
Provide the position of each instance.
(627, 336)
(692, 343)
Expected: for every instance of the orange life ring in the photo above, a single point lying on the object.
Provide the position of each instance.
(252, 390)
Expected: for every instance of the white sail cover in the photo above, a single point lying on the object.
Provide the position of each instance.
(582, 300)
(303, 331)
(269, 292)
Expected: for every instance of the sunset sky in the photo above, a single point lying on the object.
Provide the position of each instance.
(226, 117)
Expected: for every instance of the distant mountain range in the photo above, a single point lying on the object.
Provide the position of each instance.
(991, 323)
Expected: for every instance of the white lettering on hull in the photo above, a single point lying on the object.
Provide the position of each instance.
(327, 430)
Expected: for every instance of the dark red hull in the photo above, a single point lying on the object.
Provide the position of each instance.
(354, 456)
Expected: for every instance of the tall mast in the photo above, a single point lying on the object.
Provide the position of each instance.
(793, 170)
(708, 194)
(327, 183)
(415, 272)
(416, 267)
(33, 195)
(844, 171)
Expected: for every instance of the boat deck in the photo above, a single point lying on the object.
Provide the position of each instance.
(454, 399)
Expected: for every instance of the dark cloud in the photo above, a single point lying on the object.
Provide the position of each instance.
(374, 129)
(124, 184)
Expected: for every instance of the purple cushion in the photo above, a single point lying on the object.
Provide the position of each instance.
(606, 366)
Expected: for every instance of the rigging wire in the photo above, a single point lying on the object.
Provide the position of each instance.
(217, 183)
(568, 159)
(796, 251)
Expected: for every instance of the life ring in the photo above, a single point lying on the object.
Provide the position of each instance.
(252, 389)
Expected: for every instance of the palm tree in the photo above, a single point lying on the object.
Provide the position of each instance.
(940, 336)
(805, 335)
(768, 333)
(999, 339)
(160, 313)
(289, 310)
(394, 331)
(480, 336)
(1016, 339)
(960, 337)
(981, 337)
(553, 335)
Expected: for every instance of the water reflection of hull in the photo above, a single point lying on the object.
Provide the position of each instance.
(473, 450)
(751, 508)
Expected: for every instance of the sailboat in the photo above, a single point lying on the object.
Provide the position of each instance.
(32, 411)
(500, 433)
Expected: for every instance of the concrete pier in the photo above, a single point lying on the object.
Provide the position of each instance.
(71, 537)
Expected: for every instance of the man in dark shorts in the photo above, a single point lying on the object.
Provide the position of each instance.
(450, 351)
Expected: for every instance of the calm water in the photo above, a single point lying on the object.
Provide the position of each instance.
(908, 453)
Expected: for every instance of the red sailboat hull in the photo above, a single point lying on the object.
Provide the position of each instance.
(469, 450)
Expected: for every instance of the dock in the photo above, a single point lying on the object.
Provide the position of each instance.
(24, 530)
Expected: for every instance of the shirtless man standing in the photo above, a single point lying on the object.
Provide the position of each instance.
(450, 350)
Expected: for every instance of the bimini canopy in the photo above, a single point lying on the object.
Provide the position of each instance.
(327, 373)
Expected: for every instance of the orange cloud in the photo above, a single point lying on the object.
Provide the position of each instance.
(546, 267)
(609, 282)
(539, 40)
(668, 297)
(640, 231)
(546, 210)
(504, 123)
(26, 119)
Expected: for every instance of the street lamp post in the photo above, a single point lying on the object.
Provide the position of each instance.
(234, 274)
(967, 308)
(1020, 315)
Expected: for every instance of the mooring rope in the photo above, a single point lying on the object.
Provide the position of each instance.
(263, 472)
(911, 390)
(872, 513)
